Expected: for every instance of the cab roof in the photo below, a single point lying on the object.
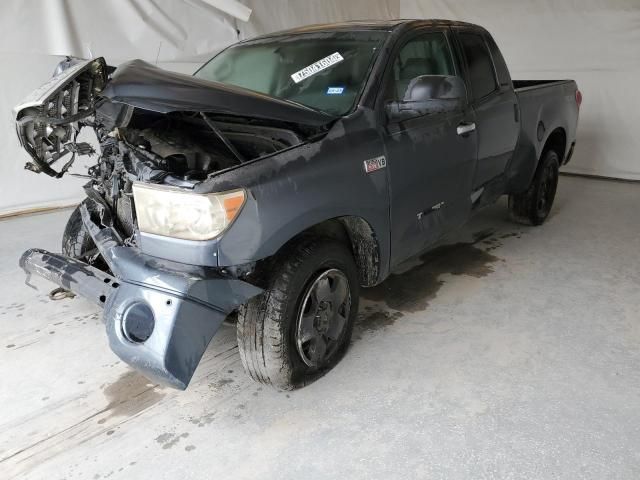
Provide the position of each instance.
(383, 25)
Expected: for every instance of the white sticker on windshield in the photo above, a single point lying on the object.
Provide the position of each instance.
(316, 67)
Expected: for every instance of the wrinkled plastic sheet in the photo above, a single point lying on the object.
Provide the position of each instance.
(595, 42)
(176, 34)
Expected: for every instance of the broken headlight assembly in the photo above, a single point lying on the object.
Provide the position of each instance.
(175, 213)
(48, 120)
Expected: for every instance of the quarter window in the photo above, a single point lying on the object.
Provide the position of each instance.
(498, 60)
(481, 73)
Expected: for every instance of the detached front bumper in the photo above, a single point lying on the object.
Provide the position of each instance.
(159, 315)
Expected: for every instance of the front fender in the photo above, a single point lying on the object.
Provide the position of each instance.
(300, 188)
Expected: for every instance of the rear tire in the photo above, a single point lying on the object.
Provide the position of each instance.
(532, 207)
(286, 334)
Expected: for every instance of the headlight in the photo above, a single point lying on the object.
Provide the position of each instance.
(179, 214)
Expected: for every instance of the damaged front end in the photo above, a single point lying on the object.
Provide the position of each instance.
(159, 316)
(166, 132)
(49, 120)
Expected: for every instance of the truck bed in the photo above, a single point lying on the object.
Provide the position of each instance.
(545, 107)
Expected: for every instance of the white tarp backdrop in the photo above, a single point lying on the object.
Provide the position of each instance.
(596, 42)
(178, 34)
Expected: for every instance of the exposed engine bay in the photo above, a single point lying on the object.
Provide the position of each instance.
(175, 146)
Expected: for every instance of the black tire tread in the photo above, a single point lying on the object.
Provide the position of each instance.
(262, 330)
(76, 240)
(522, 206)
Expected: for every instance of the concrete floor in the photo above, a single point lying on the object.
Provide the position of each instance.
(517, 356)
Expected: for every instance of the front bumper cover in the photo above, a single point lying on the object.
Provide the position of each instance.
(159, 315)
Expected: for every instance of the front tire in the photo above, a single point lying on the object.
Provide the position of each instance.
(76, 241)
(532, 207)
(301, 325)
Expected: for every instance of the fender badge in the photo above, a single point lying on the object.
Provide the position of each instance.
(374, 164)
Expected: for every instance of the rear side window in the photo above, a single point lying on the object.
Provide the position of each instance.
(427, 54)
(498, 60)
(481, 74)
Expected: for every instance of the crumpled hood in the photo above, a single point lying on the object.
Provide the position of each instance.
(143, 85)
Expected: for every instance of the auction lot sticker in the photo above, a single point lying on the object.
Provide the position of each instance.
(316, 67)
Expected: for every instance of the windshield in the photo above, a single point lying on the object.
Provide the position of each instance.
(324, 71)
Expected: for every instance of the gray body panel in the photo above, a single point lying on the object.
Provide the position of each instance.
(431, 180)
(183, 305)
(551, 105)
(293, 191)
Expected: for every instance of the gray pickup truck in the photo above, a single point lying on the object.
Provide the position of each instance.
(284, 175)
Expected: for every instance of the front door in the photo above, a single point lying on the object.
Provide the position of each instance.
(431, 161)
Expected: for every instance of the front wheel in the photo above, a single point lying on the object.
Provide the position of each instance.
(300, 327)
(76, 241)
(532, 207)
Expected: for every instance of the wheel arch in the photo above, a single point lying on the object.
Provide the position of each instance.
(358, 234)
(556, 141)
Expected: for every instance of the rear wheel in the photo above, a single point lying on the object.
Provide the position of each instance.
(532, 207)
(300, 327)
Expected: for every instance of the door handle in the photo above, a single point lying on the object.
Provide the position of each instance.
(465, 128)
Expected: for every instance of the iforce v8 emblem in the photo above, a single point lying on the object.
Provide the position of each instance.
(374, 164)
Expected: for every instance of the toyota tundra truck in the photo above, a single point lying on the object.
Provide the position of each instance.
(287, 173)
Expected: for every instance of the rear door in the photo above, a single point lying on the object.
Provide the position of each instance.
(493, 101)
(430, 164)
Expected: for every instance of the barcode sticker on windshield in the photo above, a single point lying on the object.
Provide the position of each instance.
(316, 67)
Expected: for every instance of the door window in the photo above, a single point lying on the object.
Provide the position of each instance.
(481, 73)
(424, 55)
(500, 64)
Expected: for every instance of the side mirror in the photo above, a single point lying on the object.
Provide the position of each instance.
(429, 94)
